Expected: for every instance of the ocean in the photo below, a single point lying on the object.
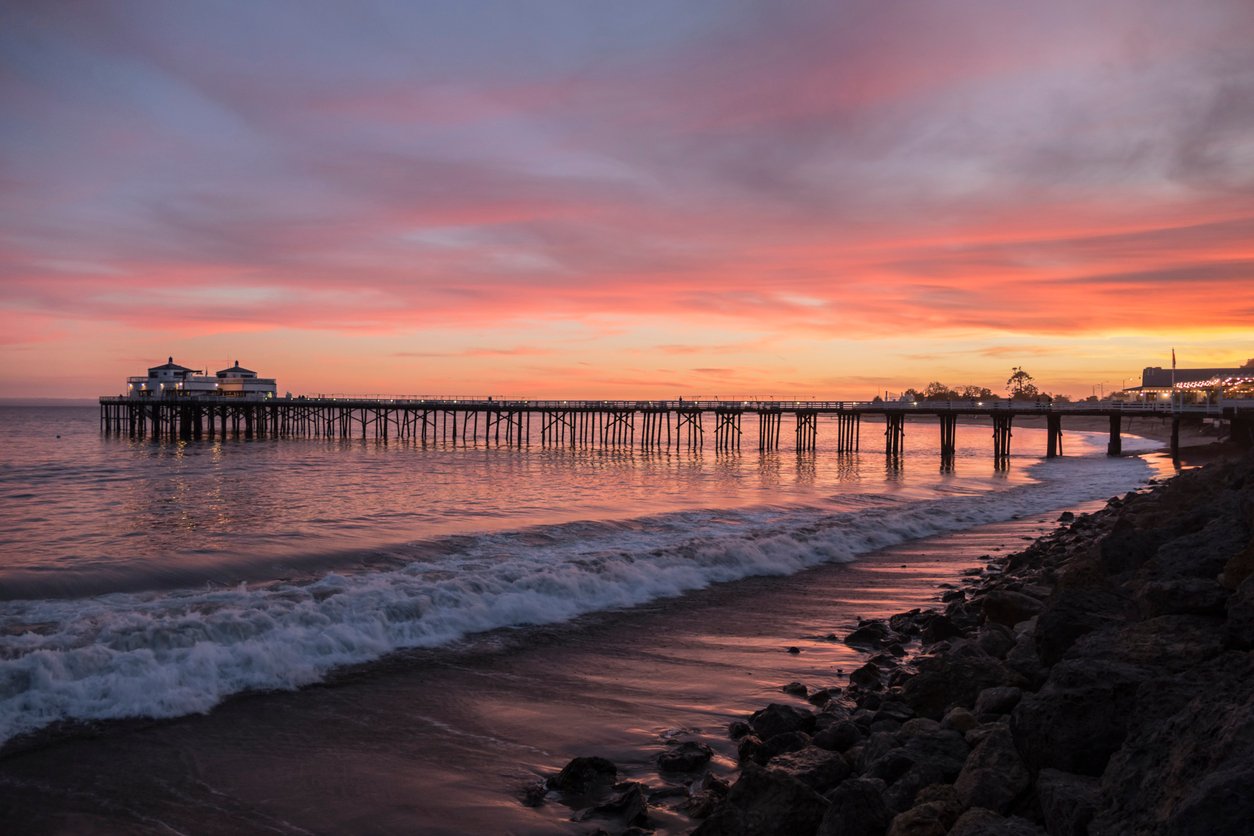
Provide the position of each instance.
(144, 581)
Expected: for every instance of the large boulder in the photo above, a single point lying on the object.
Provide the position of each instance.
(856, 808)
(955, 678)
(629, 805)
(1068, 802)
(1074, 611)
(1182, 596)
(1187, 767)
(686, 757)
(778, 718)
(1000, 700)
(919, 761)
(935, 810)
(1079, 718)
(584, 775)
(839, 736)
(766, 802)
(1239, 627)
(818, 769)
(1002, 606)
(994, 775)
(872, 635)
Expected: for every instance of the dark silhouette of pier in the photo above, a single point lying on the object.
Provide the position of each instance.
(678, 424)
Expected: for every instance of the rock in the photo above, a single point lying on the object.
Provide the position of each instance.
(1182, 596)
(818, 769)
(1239, 627)
(905, 623)
(1238, 568)
(766, 802)
(839, 736)
(921, 820)
(955, 679)
(938, 628)
(1067, 801)
(821, 697)
(919, 726)
(1076, 611)
(994, 775)
(794, 650)
(935, 810)
(998, 700)
(533, 794)
(753, 748)
(1079, 718)
(737, 729)
(1024, 660)
(629, 805)
(871, 635)
(714, 784)
(959, 719)
(1167, 643)
(1066, 517)
(980, 822)
(701, 805)
(867, 676)
(995, 639)
(750, 749)
(833, 712)
(778, 718)
(891, 709)
(584, 775)
(688, 756)
(1125, 547)
(919, 761)
(857, 809)
(1002, 606)
(1187, 766)
(795, 689)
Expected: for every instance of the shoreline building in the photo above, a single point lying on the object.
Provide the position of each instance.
(170, 380)
(1158, 383)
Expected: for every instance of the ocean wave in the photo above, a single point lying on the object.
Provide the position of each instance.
(166, 654)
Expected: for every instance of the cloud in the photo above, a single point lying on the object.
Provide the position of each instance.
(780, 175)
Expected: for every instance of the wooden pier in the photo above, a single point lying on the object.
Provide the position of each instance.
(647, 425)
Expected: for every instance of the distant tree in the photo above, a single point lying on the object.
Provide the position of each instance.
(912, 395)
(1061, 399)
(937, 391)
(1020, 385)
(977, 393)
(877, 399)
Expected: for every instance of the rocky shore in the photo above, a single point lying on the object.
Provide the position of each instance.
(1099, 682)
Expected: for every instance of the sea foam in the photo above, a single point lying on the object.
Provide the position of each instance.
(173, 653)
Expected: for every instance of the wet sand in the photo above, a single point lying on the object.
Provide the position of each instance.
(445, 741)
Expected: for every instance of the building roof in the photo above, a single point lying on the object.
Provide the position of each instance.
(168, 366)
(236, 369)
(1158, 376)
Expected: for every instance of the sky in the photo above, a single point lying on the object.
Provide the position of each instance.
(647, 199)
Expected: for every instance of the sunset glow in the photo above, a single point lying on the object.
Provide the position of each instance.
(648, 199)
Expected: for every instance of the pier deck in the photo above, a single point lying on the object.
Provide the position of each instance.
(658, 424)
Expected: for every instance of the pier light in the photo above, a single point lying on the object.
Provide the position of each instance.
(979, 403)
